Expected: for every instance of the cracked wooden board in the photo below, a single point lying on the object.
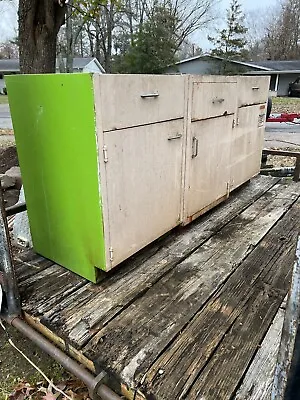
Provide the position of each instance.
(130, 343)
(263, 365)
(79, 317)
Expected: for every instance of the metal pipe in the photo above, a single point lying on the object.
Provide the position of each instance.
(16, 209)
(9, 281)
(97, 389)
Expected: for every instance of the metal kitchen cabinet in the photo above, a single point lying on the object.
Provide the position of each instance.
(112, 162)
(101, 161)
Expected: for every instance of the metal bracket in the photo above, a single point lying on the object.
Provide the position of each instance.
(98, 381)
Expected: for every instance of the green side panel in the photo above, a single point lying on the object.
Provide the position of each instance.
(54, 123)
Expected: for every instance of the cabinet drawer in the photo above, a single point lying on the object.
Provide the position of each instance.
(253, 90)
(133, 100)
(213, 99)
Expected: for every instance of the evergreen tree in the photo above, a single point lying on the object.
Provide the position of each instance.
(230, 42)
(154, 44)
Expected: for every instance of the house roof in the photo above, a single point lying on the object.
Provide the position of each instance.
(209, 56)
(12, 65)
(293, 65)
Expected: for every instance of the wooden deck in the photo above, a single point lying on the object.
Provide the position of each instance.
(195, 315)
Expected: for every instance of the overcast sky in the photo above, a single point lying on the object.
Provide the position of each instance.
(8, 17)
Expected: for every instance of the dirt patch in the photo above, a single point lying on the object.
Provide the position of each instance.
(6, 132)
(285, 105)
(14, 368)
(8, 158)
(278, 161)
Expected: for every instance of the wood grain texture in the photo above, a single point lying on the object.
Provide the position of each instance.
(80, 316)
(258, 381)
(130, 343)
(27, 263)
(235, 352)
(51, 284)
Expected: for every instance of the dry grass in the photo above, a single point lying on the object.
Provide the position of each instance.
(285, 105)
(3, 99)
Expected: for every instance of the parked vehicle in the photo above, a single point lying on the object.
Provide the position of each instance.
(294, 88)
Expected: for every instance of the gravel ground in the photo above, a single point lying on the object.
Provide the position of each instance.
(284, 105)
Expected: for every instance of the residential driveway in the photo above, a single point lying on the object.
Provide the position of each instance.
(282, 135)
(277, 134)
(5, 119)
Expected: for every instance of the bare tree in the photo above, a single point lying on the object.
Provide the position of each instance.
(9, 49)
(256, 22)
(283, 32)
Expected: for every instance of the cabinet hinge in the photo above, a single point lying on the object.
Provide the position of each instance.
(233, 123)
(105, 158)
(111, 254)
(227, 188)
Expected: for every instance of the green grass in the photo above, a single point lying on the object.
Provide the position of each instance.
(3, 99)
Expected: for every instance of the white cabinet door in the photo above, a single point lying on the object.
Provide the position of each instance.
(133, 100)
(143, 178)
(248, 137)
(208, 165)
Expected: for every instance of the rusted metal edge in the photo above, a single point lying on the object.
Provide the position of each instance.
(289, 332)
(98, 390)
(8, 279)
(285, 153)
(16, 209)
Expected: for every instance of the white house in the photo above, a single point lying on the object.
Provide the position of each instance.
(281, 72)
(86, 64)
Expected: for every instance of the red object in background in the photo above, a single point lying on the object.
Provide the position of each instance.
(284, 118)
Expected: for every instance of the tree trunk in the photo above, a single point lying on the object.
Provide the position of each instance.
(69, 38)
(39, 23)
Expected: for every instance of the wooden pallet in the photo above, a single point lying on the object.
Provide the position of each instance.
(186, 317)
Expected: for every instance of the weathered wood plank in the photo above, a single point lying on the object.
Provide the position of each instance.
(233, 356)
(288, 356)
(186, 357)
(49, 284)
(258, 381)
(138, 274)
(28, 263)
(132, 341)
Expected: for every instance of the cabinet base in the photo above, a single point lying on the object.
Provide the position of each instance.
(191, 218)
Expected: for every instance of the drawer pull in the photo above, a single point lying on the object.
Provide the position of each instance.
(195, 147)
(149, 95)
(179, 136)
(255, 88)
(218, 101)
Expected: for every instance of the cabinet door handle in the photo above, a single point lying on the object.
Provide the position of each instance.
(255, 88)
(178, 136)
(195, 147)
(149, 95)
(218, 101)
